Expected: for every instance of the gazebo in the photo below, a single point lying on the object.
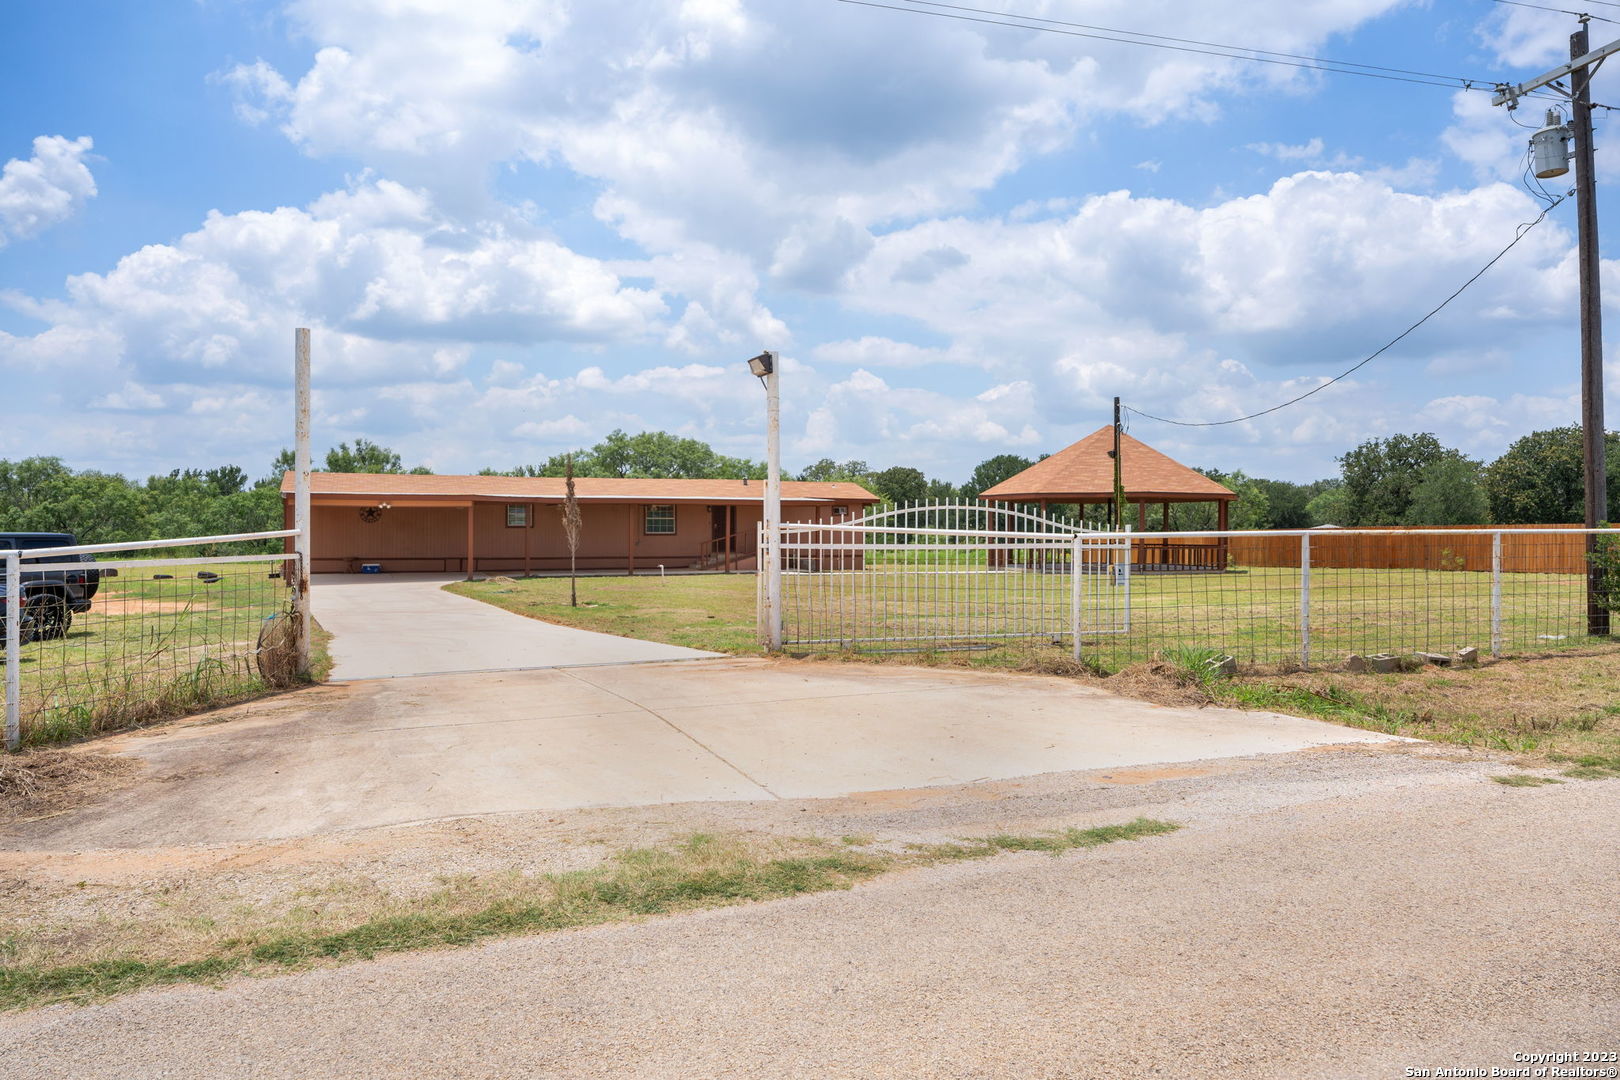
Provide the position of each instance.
(1083, 475)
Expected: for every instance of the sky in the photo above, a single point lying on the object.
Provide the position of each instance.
(513, 227)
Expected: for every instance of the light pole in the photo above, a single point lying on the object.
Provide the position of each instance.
(767, 366)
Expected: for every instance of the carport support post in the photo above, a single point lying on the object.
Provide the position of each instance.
(1304, 600)
(301, 544)
(470, 557)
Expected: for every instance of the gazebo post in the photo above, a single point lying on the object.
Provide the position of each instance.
(1221, 546)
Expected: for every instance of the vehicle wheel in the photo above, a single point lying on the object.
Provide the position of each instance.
(52, 618)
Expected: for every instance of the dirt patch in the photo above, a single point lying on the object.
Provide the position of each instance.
(38, 783)
(110, 606)
(1149, 776)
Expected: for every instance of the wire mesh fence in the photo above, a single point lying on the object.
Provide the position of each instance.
(966, 578)
(112, 644)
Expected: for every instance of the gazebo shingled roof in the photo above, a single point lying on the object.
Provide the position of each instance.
(1084, 473)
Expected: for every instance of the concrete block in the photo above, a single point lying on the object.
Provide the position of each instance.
(1437, 659)
(1380, 663)
(1222, 665)
(1469, 655)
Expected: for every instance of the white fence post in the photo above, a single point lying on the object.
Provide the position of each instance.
(301, 545)
(1129, 554)
(1496, 594)
(13, 650)
(1075, 571)
(1305, 601)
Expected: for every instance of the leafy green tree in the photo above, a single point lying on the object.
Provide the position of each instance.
(650, 454)
(1286, 504)
(27, 484)
(366, 457)
(1539, 479)
(992, 471)
(1252, 510)
(1329, 506)
(856, 472)
(1448, 492)
(1380, 476)
(44, 495)
(226, 480)
(898, 484)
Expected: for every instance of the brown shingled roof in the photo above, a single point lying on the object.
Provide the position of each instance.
(591, 488)
(1085, 472)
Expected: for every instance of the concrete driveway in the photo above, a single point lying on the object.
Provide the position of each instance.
(388, 625)
(391, 751)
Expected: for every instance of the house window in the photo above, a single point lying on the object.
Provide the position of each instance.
(517, 515)
(840, 511)
(660, 521)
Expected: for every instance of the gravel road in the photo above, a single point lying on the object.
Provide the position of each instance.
(1321, 915)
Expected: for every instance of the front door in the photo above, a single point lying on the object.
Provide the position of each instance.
(717, 522)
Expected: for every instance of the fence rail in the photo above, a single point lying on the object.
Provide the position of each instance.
(1278, 599)
(92, 645)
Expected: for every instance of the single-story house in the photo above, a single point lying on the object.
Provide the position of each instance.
(514, 525)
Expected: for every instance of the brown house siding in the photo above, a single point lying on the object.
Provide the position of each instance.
(433, 539)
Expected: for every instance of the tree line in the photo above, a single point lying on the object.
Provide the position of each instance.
(42, 494)
(1400, 480)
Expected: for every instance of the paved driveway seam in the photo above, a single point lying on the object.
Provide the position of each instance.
(679, 730)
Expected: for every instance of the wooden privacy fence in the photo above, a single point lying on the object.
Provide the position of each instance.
(1397, 548)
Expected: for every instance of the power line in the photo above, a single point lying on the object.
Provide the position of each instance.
(1188, 41)
(1560, 11)
(1131, 37)
(1523, 231)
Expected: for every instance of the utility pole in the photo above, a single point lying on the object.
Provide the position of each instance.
(1592, 428)
(1550, 160)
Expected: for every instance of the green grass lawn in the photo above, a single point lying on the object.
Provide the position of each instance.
(150, 648)
(710, 611)
(1252, 615)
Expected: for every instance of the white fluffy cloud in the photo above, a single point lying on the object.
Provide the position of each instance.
(46, 189)
(1206, 313)
(814, 178)
(399, 288)
(766, 128)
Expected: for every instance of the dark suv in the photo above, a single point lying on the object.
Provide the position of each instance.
(50, 598)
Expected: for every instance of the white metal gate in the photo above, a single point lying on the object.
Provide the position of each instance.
(947, 575)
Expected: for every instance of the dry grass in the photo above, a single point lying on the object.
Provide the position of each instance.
(207, 929)
(1541, 706)
(37, 783)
